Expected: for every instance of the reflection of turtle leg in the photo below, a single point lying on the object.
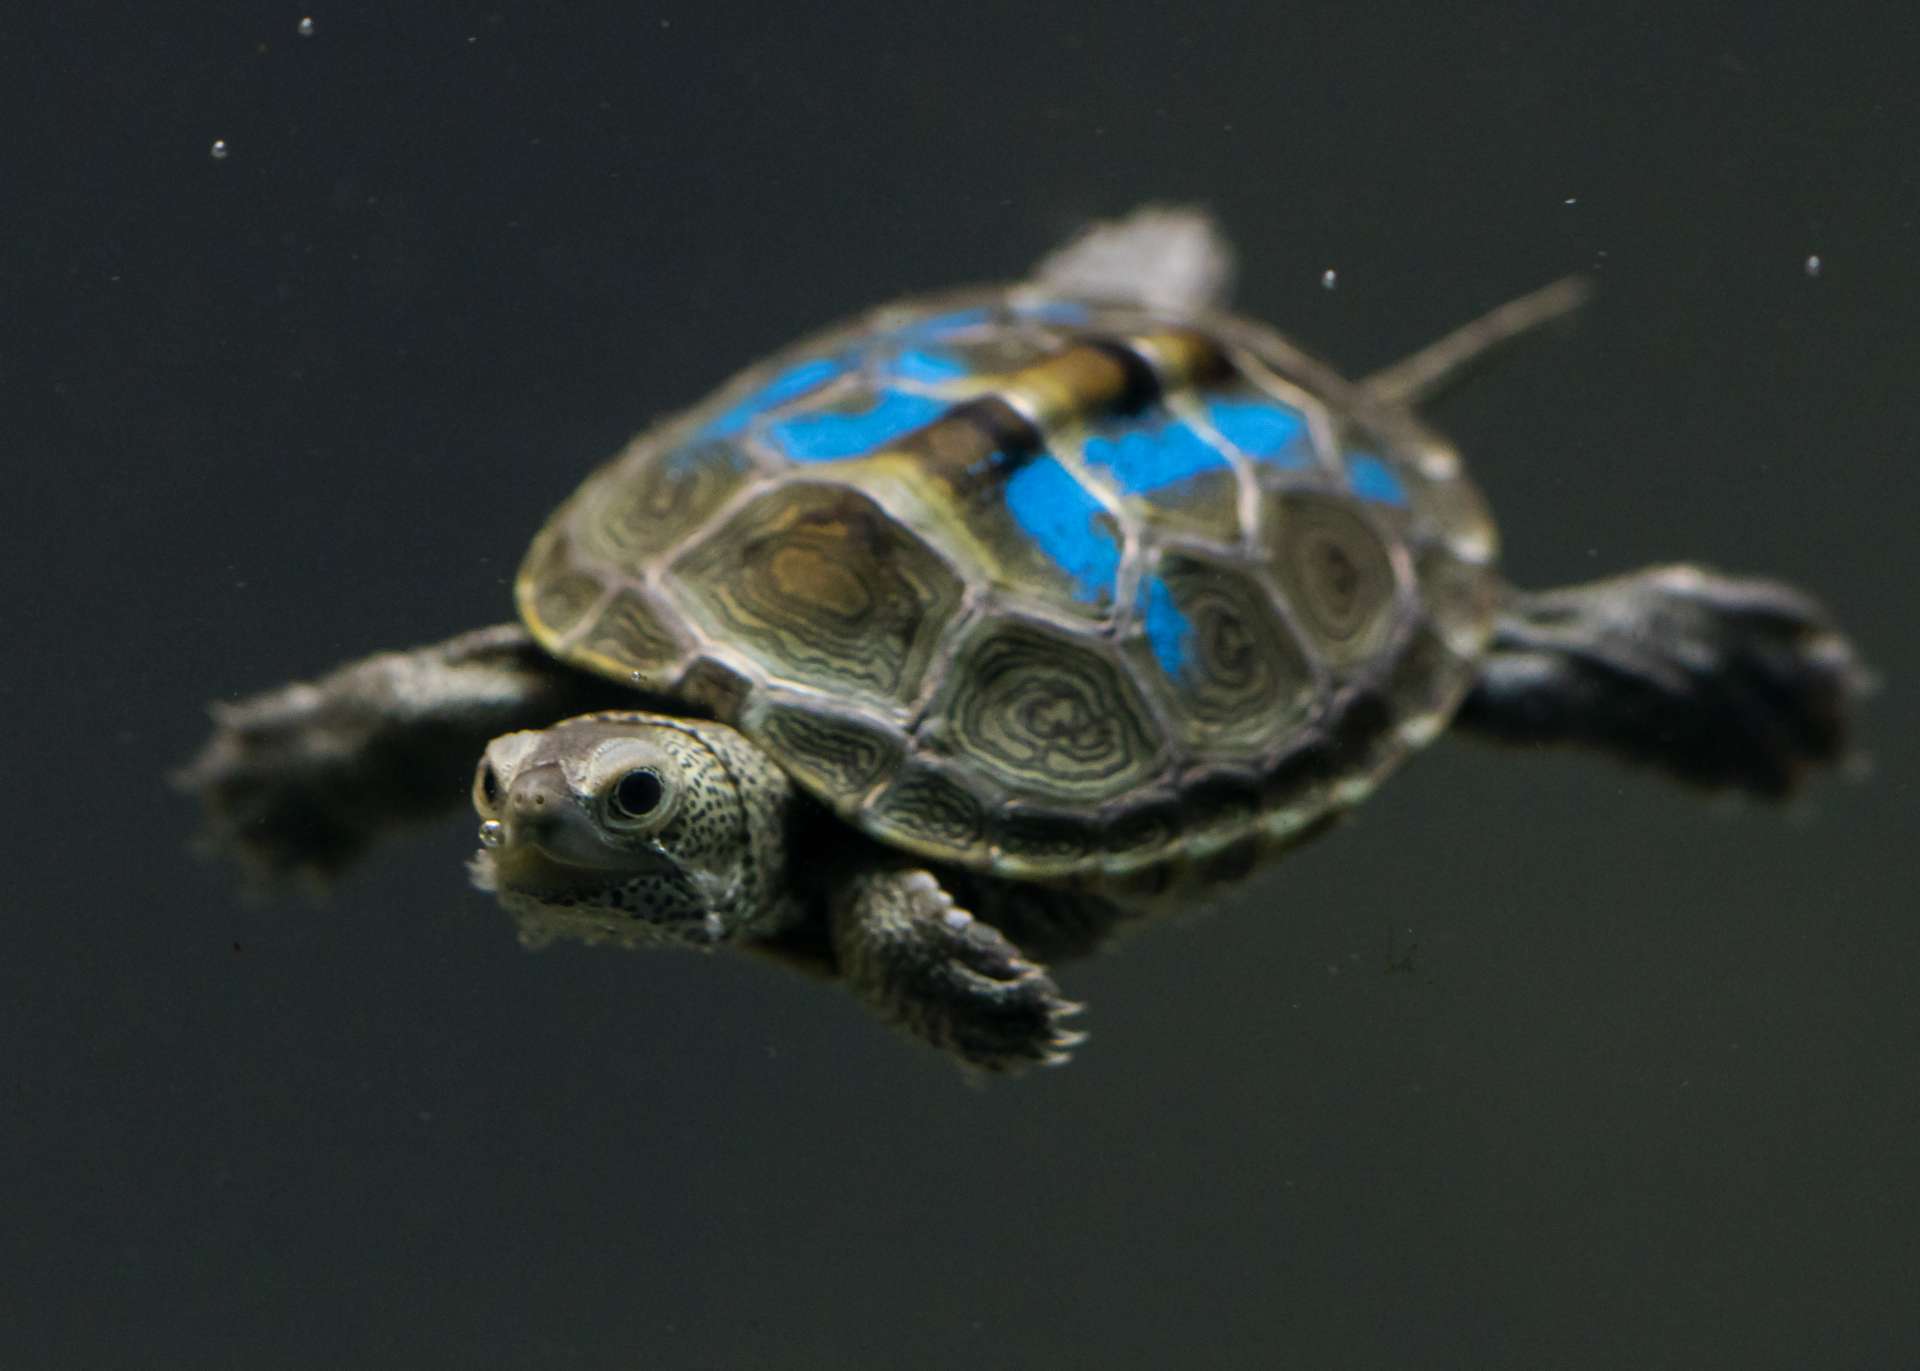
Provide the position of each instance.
(925, 964)
(1722, 681)
(300, 779)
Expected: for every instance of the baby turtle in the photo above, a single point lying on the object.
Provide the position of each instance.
(944, 642)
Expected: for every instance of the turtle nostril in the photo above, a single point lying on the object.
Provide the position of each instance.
(535, 797)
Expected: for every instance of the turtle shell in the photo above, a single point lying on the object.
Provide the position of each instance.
(1038, 585)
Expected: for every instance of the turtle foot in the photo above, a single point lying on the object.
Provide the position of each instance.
(1728, 682)
(950, 979)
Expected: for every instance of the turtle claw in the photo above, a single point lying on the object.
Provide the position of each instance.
(1008, 1013)
(947, 977)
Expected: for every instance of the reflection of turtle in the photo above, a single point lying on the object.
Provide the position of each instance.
(979, 623)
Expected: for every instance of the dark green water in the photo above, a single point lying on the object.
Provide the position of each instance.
(1537, 1063)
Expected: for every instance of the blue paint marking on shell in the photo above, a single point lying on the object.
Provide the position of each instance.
(704, 452)
(826, 436)
(790, 384)
(1154, 456)
(1055, 312)
(928, 365)
(1066, 523)
(1371, 478)
(939, 325)
(1169, 631)
(1265, 430)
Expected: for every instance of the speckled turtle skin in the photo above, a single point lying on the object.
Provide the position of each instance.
(1040, 586)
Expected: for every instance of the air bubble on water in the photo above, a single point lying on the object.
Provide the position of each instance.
(1571, 200)
(1329, 279)
(1813, 265)
(219, 150)
(305, 27)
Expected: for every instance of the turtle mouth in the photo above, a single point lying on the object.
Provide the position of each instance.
(552, 900)
(528, 869)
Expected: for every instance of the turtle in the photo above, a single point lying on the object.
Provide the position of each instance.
(945, 643)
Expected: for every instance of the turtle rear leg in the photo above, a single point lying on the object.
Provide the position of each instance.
(926, 965)
(300, 779)
(1722, 681)
(1170, 256)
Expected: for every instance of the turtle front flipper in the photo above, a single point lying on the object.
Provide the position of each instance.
(299, 780)
(1722, 681)
(926, 965)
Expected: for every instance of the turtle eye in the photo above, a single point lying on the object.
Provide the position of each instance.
(637, 794)
(487, 783)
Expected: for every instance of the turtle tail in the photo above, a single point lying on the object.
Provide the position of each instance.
(1441, 364)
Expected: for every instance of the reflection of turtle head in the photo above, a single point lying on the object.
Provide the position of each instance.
(629, 828)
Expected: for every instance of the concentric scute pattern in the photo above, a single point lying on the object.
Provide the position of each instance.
(654, 496)
(839, 755)
(820, 587)
(1047, 715)
(1337, 570)
(1235, 679)
(932, 806)
(1038, 586)
(554, 591)
(632, 635)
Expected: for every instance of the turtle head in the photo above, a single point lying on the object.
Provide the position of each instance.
(628, 828)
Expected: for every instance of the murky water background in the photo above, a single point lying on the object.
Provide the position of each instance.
(1538, 1063)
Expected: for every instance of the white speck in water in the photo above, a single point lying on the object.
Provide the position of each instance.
(1329, 279)
(219, 150)
(1813, 265)
(1571, 200)
(304, 28)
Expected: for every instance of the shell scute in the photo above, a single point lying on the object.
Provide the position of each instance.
(1177, 472)
(926, 807)
(816, 584)
(1212, 637)
(1052, 539)
(1337, 571)
(1041, 841)
(1280, 437)
(1046, 715)
(631, 634)
(838, 755)
(555, 594)
(854, 420)
(654, 496)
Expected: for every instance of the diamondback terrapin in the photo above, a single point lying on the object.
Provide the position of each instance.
(946, 640)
